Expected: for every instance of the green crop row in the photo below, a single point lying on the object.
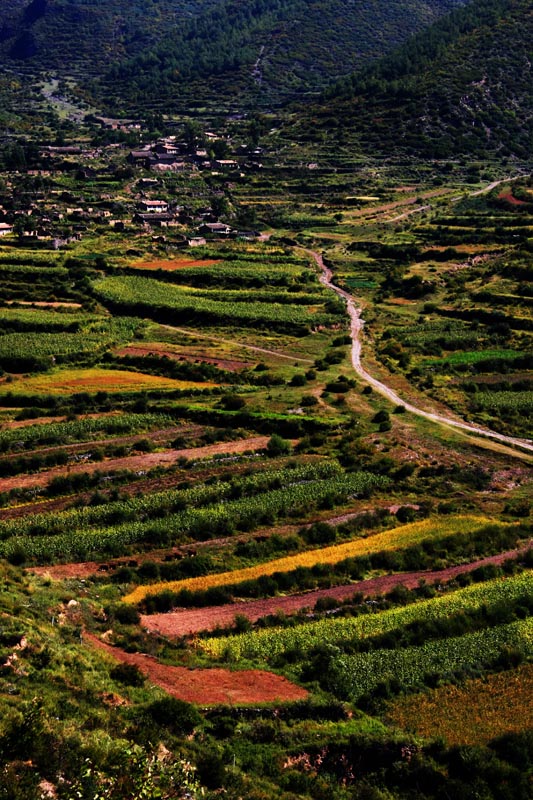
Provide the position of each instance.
(29, 351)
(42, 319)
(504, 401)
(265, 644)
(196, 523)
(52, 433)
(474, 357)
(163, 504)
(352, 677)
(145, 296)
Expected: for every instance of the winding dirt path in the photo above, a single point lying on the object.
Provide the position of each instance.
(356, 326)
(189, 621)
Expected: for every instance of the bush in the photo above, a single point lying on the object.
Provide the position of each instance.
(232, 402)
(277, 446)
(128, 674)
(178, 716)
(125, 614)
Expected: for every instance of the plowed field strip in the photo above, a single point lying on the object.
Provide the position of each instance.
(208, 686)
(144, 462)
(175, 355)
(189, 621)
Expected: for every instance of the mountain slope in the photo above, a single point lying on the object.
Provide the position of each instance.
(463, 86)
(141, 54)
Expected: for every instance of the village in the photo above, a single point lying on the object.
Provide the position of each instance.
(60, 194)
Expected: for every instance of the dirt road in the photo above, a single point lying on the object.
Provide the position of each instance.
(356, 326)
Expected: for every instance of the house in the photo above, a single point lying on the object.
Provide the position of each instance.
(155, 220)
(215, 228)
(225, 163)
(141, 158)
(196, 241)
(5, 228)
(153, 206)
(247, 236)
(147, 183)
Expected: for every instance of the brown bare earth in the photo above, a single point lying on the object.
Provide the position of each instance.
(43, 303)
(143, 462)
(511, 199)
(208, 686)
(160, 350)
(189, 621)
(177, 263)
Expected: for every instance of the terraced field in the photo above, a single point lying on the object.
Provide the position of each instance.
(210, 503)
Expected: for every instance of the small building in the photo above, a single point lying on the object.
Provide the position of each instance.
(196, 241)
(155, 220)
(5, 228)
(153, 206)
(225, 163)
(141, 158)
(215, 228)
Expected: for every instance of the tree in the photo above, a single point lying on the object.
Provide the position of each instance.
(278, 446)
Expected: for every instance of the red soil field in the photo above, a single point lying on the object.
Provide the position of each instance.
(208, 686)
(511, 199)
(177, 263)
(189, 621)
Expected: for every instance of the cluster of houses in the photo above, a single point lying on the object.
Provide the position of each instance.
(160, 214)
(168, 154)
(48, 213)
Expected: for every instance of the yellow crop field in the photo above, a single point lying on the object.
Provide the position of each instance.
(476, 712)
(394, 539)
(70, 381)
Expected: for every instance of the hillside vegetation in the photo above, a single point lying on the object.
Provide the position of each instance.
(191, 51)
(462, 86)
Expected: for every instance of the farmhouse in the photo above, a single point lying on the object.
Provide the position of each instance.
(155, 219)
(5, 228)
(216, 228)
(153, 206)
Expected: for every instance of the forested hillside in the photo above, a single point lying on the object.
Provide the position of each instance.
(179, 49)
(463, 86)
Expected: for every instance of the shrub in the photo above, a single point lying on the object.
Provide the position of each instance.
(128, 674)
(178, 716)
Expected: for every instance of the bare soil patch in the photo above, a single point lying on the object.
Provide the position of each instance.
(511, 199)
(160, 350)
(43, 303)
(176, 263)
(189, 621)
(208, 686)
